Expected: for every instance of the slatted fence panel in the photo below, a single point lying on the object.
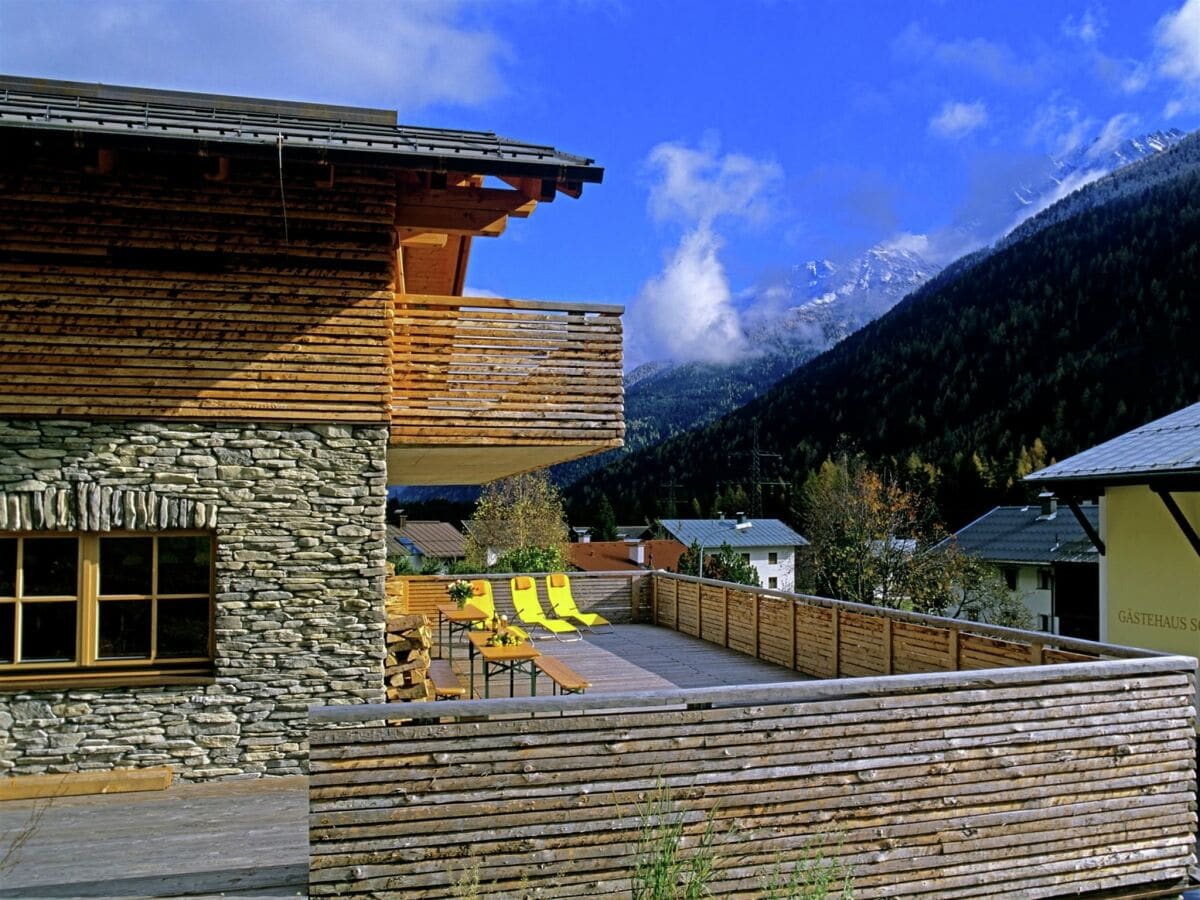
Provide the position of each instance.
(831, 639)
(1033, 783)
(154, 293)
(714, 614)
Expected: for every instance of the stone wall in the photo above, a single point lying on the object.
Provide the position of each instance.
(298, 513)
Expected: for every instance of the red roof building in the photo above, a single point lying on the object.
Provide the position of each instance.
(616, 556)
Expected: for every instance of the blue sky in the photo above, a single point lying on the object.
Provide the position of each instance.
(739, 139)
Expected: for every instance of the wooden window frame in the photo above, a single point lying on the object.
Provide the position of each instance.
(88, 667)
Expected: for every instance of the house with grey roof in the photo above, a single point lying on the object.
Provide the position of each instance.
(1046, 558)
(767, 544)
(1148, 536)
(421, 542)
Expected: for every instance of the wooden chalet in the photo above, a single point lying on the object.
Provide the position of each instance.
(226, 326)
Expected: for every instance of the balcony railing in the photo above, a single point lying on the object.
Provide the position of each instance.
(487, 387)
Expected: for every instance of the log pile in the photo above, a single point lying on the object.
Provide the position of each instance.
(406, 668)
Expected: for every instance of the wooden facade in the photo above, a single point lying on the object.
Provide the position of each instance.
(834, 639)
(171, 262)
(1031, 782)
(151, 292)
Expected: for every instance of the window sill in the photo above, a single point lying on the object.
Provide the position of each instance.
(109, 679)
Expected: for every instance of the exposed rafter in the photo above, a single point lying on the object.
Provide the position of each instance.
(1181, 520)
(1084, 523)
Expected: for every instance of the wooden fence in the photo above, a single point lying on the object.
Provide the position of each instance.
(834, 639)
(618, 596)
(1020, 782)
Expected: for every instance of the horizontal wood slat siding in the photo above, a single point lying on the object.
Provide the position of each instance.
(1041, 782)
(152, 292)
(830, 639)
(480, 371)
(614, 595)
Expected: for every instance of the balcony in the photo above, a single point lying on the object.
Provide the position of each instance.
(483, 388)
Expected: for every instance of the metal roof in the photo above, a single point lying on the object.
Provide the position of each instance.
(714, 532)
(439, 540)
(1022, 534)
(219, 122)
(1169, 446)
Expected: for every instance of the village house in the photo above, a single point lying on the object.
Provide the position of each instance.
(421, 543)
(767, 544)
(1148, 482)
(228, 326)
(1046, 558)
(632, 553)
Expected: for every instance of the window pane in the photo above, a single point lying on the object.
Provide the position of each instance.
(126, 565)
(124, 629)
(51, 568)
(47, 631)
(182, 628)
(184, 564)
(8, 567)
(8, 616)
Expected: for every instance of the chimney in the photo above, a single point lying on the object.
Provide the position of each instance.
(583, 535)
(1049, 504)
(637, 551)
(400, 518)
(742, 521)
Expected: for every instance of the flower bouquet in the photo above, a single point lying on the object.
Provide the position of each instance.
(460, 592)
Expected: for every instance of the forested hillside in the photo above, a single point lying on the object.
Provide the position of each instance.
(1084, 329)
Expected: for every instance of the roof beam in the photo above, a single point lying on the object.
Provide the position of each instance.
(462, 210)
(1181, 520)
(1084, 523)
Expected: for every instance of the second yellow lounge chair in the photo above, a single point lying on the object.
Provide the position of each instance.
(558, 590)
(530, 612)
(482, 600)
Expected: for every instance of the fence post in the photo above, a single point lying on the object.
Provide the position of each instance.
(953, 649)
(836, 652)
(887, 645)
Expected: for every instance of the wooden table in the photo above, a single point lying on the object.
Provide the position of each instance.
(457, 621)
(498, 660)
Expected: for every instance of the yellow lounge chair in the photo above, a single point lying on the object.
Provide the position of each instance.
(530, 612)
(558, 590)
(482, 600)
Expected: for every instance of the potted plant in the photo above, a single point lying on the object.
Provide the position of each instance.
(460, 592)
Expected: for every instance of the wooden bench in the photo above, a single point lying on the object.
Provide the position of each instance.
(566, 680)
(446, 685)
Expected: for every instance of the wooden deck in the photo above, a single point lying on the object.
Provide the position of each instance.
(249, 838)
(638, 658)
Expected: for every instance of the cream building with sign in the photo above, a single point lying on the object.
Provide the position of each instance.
(1148, 484)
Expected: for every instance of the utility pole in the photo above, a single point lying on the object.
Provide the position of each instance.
(757, 481)
(670, 504)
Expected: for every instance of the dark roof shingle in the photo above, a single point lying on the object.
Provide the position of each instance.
(1166, 446)
(120, 113)
(1021, 534)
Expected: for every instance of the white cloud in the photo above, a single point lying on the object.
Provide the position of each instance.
(342, 52)
(1088, 27)
(699, 185)
(1115, 130)
(1177, 36)
(988, 59)
(1059, 127)
(907, 242)
(958, 119)
(687, 312)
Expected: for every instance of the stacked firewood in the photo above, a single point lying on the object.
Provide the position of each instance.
(406, 667)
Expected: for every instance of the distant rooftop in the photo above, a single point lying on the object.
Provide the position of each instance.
(1022, 534)
(439, 540)
(217, 122)
(1165, 448)
(613, 556)
(714, 532)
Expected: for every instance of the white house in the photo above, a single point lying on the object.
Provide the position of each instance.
(767, 544)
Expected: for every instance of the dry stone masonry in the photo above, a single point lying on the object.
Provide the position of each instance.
(298, 514)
